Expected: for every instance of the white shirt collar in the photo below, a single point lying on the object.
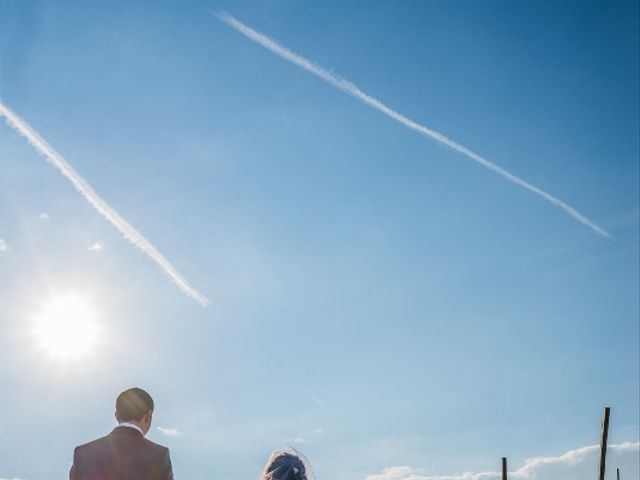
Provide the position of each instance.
(131, 425)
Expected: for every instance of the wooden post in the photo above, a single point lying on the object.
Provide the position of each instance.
(603, 441)
(504, 468)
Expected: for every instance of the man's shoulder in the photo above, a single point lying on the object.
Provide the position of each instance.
(92, 444)
(112, 439)
(155, 446)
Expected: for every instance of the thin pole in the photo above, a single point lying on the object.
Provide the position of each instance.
(618, 473)
(603, 441)
(504, 468)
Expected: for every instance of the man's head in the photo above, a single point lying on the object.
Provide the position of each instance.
(134, 405)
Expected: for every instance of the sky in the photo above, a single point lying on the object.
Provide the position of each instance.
(381, 302)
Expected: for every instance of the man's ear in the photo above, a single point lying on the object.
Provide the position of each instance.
(147, 417)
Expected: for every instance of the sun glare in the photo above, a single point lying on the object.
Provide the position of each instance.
(66, 327)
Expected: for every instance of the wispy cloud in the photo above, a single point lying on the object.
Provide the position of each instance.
(83, 187)
(97, 247)
(44, 217)
(315, 399)
(351, 89)
(571, 458)
(3, 248)
(553, 467)
(169, 432)
(13, 478)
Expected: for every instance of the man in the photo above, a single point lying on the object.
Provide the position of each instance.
(124, 454)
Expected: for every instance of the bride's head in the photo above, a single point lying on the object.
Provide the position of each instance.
(287, 464)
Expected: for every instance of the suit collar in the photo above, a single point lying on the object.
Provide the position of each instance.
(126, 427)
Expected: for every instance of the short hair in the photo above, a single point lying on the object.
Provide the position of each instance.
(133, 404)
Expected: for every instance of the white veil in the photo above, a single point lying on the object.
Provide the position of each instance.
(283, 451)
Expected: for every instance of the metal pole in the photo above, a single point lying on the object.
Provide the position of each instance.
(618, 473)
(504, 468)
(603, 441)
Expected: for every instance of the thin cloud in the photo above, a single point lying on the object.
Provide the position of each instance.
(169, 432)
(315, 399)
(351, 89)
(532, 467)
(97, 247)
(83, 187)
(44, 217)
(571, 458)
(3, 248)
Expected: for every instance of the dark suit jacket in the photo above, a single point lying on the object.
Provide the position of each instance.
(124, 454)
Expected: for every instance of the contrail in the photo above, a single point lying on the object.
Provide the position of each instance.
(348, 87)
(81, 185)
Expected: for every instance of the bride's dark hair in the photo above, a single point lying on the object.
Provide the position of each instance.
(285, 466)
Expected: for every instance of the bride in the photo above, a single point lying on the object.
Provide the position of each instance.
(287, 464)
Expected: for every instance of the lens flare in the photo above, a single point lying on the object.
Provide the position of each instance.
(66, 327)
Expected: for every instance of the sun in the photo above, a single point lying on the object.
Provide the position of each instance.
(66, 326)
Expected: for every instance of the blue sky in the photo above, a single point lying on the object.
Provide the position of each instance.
(377, 300)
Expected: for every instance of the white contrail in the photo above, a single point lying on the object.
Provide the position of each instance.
(81, 185)
(348, 87)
